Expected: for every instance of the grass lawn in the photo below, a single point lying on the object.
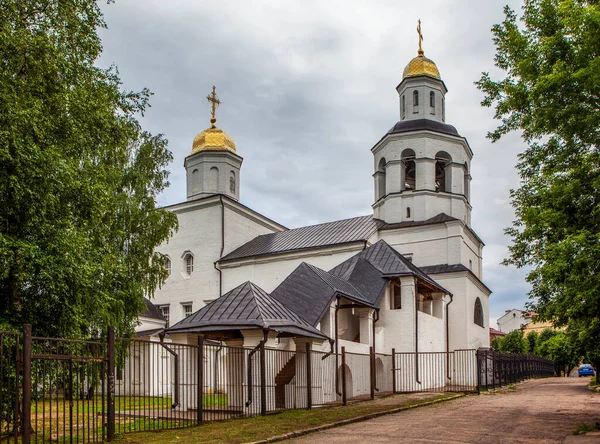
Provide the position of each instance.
(262, 427)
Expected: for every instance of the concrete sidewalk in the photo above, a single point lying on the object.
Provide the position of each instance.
(538, 411)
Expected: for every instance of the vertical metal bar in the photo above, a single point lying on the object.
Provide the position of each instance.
(26, 383)
(200, 379)
(308, 376)
(478, 369)
(343, 371)
(393, 370)
(70, 399)
(263, 380)
(111, 385)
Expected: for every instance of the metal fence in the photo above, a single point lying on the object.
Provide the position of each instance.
(57, 390)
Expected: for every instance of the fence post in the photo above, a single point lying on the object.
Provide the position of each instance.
(263, 380)
(26, 384)
(372, 372)
(110, 427)
(477, 371)
(344, 394)
(393, 370)
(200, 380)
(308, 376)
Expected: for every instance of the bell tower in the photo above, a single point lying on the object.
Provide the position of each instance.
(213, 167)
(422, 164)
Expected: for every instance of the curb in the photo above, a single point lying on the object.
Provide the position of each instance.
(352, 420)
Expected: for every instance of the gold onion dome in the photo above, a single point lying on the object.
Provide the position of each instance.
(421, 65)
(213, 138)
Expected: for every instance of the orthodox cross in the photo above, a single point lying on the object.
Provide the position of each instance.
(215, 102)
(420, 38)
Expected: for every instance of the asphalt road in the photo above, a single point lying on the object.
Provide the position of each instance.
(538, 411)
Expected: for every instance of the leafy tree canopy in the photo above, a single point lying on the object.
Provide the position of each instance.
(78, 177)
(550, 56)
(513, 342)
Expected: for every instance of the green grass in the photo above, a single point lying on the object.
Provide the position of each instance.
(262, 427)
(584, 428)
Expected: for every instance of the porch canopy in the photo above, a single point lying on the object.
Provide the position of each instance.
(246, 307)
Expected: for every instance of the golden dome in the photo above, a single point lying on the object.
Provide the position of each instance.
(421, 66)
(213, 139)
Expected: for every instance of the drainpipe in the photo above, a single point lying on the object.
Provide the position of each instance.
(337, 347)
(222, 245)
(175, 404)
(375, 319)
(416, 332)
(448, 339)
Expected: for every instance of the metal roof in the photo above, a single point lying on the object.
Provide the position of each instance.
(344, 231)
(246, 307)
(453, 268)
(309, 291)
(151, 311)
(438, 219)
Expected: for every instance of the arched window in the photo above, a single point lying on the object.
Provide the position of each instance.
(478, 313)
(403, 107)
(443, 173)
(195, 181)
(415, 100)
(213, 179)
(188, 263)
(232, 182)
(408, 212)
(409, 176)
(432, 102)
(168, 265)
(380, 174)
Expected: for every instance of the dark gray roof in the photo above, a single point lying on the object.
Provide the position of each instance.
(387, 261)
(246, 307)
(152, 311)
(344, 231)
(405, 126)
(309, 291)
(453, 268)
(438, 219)
(151, 332)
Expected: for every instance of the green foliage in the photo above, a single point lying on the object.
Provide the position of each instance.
(78, 177)
(562, 351)
(513, 342)
(550, 93)
(532, 340)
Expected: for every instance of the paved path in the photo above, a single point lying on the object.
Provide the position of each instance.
(538, 411)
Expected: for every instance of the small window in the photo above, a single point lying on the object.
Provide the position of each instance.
(187, 310)
(403, 107)
(396, 302)
(168, 265)
(415, 98)
(188, 263)
(166, 311)
(432, 102)
(408, 212)
(232, 183)
(478, 312)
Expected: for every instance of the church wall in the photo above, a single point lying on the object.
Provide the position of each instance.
(269, 272)
(240, 229)
(477, 336)
(199, 233)
(427, 245)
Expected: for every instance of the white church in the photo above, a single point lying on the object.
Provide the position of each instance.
(407, 277)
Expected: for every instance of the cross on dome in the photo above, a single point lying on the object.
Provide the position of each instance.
(215, 102)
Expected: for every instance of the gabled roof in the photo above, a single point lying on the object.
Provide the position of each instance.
(246, 307)
(338, 232)
(387, 261)
(309, 291)
(152, 311)
(452, 268)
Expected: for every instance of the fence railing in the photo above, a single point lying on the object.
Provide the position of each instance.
(57, 390)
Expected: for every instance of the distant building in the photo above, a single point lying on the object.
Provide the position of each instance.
(496, 334)
(537, 325)
(513, 320)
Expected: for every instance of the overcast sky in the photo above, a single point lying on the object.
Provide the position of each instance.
(308, 87)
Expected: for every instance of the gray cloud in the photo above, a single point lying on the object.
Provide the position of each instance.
(307, 88)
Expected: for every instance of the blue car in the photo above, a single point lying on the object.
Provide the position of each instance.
(586, 370)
